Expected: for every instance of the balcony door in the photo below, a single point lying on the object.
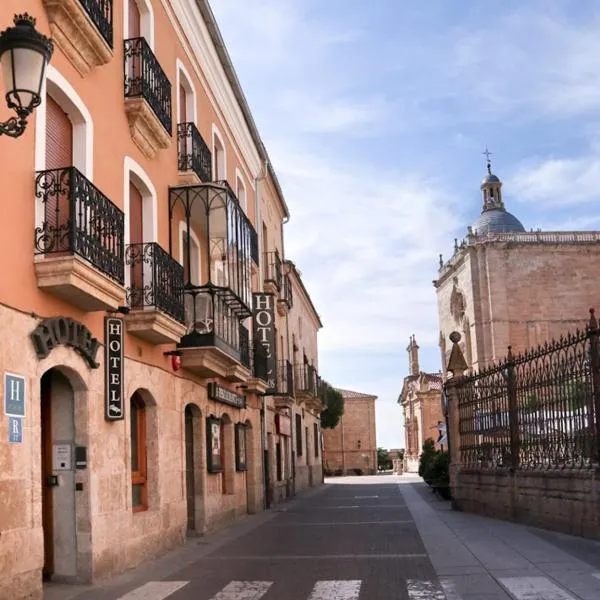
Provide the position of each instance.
(136, 240)
(134, 63)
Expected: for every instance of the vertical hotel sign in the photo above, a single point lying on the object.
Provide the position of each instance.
(264, 331)
(113, 369)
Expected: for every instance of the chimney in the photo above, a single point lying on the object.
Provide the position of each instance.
(413, 356)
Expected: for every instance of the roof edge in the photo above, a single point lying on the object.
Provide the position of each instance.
(295, 269)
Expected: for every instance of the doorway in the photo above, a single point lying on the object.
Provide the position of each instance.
(57, 399)
(194, 467)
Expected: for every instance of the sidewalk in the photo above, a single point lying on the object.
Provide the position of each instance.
(478, 558)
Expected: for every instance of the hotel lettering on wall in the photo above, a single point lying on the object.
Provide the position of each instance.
(264, 331)
(113, 369)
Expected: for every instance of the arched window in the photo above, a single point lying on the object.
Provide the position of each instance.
(139, 473)
(138, 20)
(219, 157)
(240, 190)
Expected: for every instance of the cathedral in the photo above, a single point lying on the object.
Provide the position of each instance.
(506, 286)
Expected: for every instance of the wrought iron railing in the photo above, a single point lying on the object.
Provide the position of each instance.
(78, 218)
(213, 319)
(254, 253)
(193, 154)
(538, 410)
(156, 280)
(101, 14)
(245, 346)
(273, 268)
(287, 295)
(144, 78)
(260, 361)
(285, 378)
(305, 379)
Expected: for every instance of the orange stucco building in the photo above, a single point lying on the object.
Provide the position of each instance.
(147, 307)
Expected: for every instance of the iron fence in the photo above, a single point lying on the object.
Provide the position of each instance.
(145, 78)
(79, 219)
(101, 14)
(156, 280)
(534, 411)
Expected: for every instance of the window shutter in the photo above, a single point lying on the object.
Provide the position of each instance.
(136, 236)
(134, 20)
(59, 136)
(182, 105)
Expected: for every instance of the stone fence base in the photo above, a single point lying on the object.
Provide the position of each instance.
(567, 501)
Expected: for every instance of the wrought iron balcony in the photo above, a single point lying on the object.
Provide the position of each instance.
(306, 380)
(245, 347)
(254, 254)
(273, 271)
(193, 154)
(144, 78)
(156, 280)
(79, 219)
(260, 361)
(101, 14)
(285, 378)
(286, 300)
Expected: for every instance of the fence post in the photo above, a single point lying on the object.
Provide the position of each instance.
(457, 366)
(513, 412)
(595, 360)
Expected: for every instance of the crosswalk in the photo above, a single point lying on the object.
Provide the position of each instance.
(519, 588)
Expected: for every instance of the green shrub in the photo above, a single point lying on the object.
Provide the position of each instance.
(427, 456)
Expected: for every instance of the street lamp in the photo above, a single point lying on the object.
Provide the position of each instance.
(24, 54)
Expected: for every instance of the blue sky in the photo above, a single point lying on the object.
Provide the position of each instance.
(376, 114)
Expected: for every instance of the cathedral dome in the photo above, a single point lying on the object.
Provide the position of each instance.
(490, 178)
(497, 220)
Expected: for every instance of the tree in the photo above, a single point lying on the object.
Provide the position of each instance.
(334, 405)
(384, 462)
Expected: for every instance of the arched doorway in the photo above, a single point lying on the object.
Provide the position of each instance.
(194, 470)
(63, 488)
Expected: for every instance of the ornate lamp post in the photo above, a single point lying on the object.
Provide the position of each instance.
(24, 55)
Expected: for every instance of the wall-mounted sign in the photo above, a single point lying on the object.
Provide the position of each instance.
(213, 445)
(264, 331)
(64, 330)
(14, 395)
(283, 424)
(221, 394)
(15, 430)
(113, 369)
(240, 447)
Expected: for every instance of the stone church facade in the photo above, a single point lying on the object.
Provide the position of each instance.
(506, 286)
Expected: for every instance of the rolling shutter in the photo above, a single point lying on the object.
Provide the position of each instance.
(59, 136)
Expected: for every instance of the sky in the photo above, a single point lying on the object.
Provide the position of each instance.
(375, 116)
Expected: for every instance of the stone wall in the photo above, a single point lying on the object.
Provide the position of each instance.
(567, 501)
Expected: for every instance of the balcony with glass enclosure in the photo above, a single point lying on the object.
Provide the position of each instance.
(219, 300)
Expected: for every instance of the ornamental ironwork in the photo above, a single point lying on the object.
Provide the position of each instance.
(273, 266)
(305, 379)
(156, 280)
(534, 411)
(285, 378)
(254, 253)
(100, 13)
(144, 78)
(79, 219)
(193, 154)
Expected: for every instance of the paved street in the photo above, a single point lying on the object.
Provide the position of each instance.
(364, 538)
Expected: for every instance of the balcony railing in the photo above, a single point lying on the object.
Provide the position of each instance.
(287, 295)
(254, 254)
(213, 316)
(260, 361)
(285, 378)
(245, 346)
(101, 14)
(273, 268)
(156, 280)
(306, 379)
(193, 154)
(79, 219)
(144, 78)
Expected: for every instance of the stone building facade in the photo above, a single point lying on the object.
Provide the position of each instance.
(505, 286)
(421, 401)
(351, 447)
(139, 364)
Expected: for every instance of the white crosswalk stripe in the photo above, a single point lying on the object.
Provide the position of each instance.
(534, 588)
(244, 590)
(449, 588)
(154, 590)
(424, 590)
(336, 590)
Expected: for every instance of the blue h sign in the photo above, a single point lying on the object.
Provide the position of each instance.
(14, 395)
(15, 430)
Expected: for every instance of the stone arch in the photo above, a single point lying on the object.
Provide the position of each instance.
(195, 468)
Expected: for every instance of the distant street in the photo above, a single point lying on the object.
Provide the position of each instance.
(362, 538)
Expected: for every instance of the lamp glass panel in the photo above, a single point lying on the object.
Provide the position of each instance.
(26, 79)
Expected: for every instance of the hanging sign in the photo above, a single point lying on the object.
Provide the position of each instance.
(64, 330)
(221, 394)
(113, 369)
(264, 331)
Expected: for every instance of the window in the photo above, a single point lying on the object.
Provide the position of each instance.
(219, 164)
(316, 440)
(240, 191)
(190, 255)
(298, 435)
(139, 489)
